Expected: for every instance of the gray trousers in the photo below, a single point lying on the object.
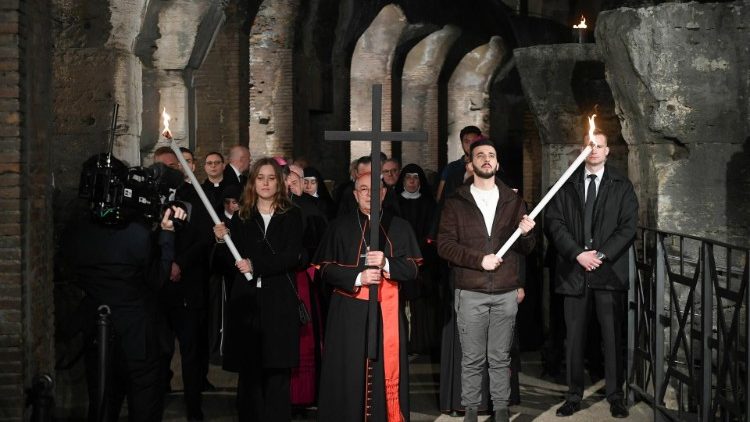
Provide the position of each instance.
(485, 327)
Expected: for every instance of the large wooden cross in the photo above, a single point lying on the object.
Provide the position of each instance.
(375, 137)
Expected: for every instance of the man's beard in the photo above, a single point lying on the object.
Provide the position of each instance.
(483, 174)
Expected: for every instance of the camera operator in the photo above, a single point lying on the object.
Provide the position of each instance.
(120, 258)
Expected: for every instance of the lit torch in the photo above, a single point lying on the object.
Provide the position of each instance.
(580, 31)
(165, 118)
(197, 186)
(565, 176)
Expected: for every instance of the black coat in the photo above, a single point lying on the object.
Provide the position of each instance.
(263, 323)
(123, 267)
(230, 177)
(192, 253)
(614, 229)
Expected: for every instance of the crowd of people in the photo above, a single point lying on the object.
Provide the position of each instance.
(291, 315)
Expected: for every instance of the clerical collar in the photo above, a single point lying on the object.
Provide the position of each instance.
(411, 195)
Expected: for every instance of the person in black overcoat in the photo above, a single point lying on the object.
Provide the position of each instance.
(262, 331)
(592, 222)
(418, 208)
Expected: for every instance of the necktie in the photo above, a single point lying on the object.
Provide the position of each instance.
(588, 211)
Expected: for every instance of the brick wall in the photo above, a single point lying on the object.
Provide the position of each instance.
(221, 89)
(26, 305)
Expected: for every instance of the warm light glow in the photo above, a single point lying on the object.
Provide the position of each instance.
(582, 24)
(592, 127)
(165, 117)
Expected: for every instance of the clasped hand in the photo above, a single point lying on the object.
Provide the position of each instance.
(373, 275)
(220, 230)
(588, 260)
(490, 262)
(526, 225)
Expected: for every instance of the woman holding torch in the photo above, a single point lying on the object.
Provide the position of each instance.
(262, 331)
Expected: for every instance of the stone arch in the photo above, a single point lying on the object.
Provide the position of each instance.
(468, 91)
(371, 64)
(271, 83)
(419, 101)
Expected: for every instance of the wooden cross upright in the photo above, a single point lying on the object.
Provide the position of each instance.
(375, 137)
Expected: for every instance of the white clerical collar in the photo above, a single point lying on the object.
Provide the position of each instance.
(411, 195)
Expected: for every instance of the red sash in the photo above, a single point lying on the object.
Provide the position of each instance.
(388, 298)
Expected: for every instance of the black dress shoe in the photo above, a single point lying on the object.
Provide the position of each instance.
(618, 410)
(568, 408)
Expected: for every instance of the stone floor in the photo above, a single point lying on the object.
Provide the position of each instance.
(540, 396)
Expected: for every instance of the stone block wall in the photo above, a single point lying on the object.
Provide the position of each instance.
(679, 77)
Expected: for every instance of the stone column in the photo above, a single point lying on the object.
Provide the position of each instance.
(173, 96)
(126, 20)
(271, 79)
(419, 90)
(178, 25)
(679, 76)
(372, 64)
(468, 92)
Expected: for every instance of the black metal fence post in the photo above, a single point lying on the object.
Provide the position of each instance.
(41, 399)
(707, 328)
(103, 333)
(659, 324)
(632, 318)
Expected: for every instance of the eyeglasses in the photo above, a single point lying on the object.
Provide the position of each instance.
(214, 163)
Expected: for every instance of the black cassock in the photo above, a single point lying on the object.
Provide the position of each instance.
(342, 384)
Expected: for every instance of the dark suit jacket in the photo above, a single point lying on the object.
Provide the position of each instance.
(230, 177)
(614, 229)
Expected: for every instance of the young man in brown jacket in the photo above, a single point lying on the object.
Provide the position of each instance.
(475, 223)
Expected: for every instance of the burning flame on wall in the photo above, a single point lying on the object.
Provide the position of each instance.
(582, 24)
(165, 118)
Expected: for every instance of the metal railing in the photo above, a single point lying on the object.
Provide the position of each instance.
(689, 329)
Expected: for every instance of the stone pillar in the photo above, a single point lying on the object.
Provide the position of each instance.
(271, 81)
(372, 64)
(178, 26)
(126, 20)
(468, 92)
(679, 76)
(173, 96)
(419, 102)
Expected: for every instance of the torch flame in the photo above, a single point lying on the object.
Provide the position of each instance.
(582, 24)
(592, 128)
(165, 117)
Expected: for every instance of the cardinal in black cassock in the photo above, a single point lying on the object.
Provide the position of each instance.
(342, 256)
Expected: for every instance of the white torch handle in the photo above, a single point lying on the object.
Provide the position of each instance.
(540, 206)
(206, 203)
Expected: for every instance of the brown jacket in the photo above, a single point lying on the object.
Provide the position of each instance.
(463, 241)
